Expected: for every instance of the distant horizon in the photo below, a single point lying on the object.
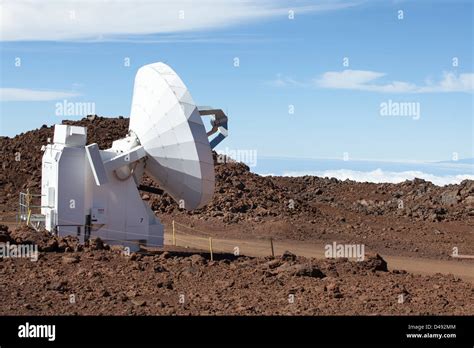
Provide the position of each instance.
(440, 173)
(459, 161)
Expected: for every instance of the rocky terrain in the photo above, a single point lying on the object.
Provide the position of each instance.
(94, 279)
(241, 194)
(411, 219)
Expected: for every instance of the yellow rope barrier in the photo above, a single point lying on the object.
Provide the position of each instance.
(223, 244)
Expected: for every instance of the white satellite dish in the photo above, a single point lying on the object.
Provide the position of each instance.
(166, 139)
(170, 129)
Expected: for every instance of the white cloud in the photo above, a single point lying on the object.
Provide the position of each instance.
(380, 176)
(103, 20)
(451, 83)
(285, 81)
(347, 79)
(23, 94)
(364, 80)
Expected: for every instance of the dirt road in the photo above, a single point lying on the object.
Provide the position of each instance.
(463, 269)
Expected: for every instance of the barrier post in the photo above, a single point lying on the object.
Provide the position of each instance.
(271, 245)
(210, 248)
(174, 234)
(28, 218)
(28, 201)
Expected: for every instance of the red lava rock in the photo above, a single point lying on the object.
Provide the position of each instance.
(288, 256)
(375, 262)
(220, 290)
(159, 268)
(395, 217)
(300, 208)
(70, 259)
(58, 285)
(138, 302)
(4, 235)
(96, 244)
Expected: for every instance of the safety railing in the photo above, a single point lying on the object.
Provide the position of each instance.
(29, 210)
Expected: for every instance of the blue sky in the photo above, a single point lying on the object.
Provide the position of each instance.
(283, 62)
